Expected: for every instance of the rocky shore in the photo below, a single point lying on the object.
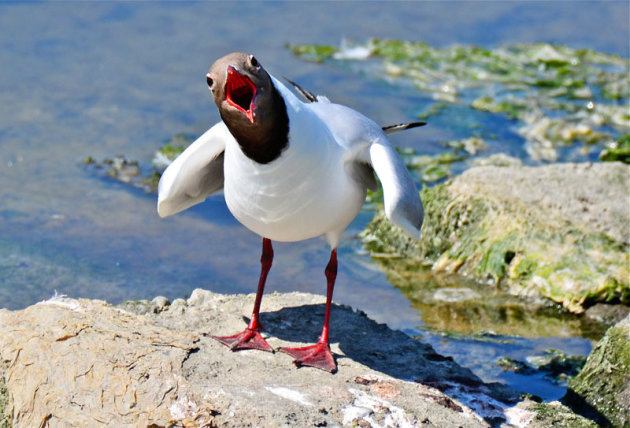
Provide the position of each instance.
(67, 362)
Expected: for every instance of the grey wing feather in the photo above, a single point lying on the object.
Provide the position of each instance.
(363, 173)
(369, 149)
(389, 129)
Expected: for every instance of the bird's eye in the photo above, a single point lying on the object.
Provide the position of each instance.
(209, 80)
(253, 61)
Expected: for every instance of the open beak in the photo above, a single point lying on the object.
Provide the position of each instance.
(240, 92)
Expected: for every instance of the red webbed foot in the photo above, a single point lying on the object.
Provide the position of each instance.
(247, 339)
(318, 356)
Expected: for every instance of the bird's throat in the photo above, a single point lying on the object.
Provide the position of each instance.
(263, 140)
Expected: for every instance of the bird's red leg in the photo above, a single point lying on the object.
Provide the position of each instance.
(250, 338)
(319, 355)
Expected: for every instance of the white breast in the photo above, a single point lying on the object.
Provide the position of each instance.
(304, 193)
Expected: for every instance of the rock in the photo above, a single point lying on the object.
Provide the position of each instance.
(142, 307)
(557, 231)
(603, 385)
(549, 414)
(67, 362)
(607, 314)
(130, 171)
(125, 170)
(554, 364)
(496, 159)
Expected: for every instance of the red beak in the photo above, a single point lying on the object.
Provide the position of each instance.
(240, 92)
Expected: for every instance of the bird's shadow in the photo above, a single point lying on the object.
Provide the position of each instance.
(382, 349)
(362, 340)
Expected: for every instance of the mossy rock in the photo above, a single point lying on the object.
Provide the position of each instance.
(4, 397)
(604, 381)
(558, 231)
(557, 415)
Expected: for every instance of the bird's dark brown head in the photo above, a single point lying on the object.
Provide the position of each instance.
(240, 87)
(250, 105)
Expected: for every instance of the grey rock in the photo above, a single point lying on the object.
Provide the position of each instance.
(67, 362)
(160, 303)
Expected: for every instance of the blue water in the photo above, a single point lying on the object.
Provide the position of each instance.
(99, 79)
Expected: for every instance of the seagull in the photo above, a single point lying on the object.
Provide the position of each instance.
(290, 170)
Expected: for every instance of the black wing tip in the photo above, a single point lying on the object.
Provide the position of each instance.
(402, 126)
(310, 97)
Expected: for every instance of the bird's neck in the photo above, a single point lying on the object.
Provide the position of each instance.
(264, 141)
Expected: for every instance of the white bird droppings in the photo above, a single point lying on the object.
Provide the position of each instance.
(289, 394)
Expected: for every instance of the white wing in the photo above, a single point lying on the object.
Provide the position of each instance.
(195, 174)
(366, 143)
(401, 197)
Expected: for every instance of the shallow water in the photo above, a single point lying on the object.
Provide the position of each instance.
(100, 79)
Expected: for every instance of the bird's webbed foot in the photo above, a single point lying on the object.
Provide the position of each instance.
(318, 356)
(247, 339)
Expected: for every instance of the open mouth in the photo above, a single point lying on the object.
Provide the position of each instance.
(240, 92)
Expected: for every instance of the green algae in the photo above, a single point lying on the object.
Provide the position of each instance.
(167, 153)
(315, 53)
(494, 240)
(604, 382)
(618, 150)
(455, 247)
(508, 364)
(430, 169)
(558, 415)
(559, 95)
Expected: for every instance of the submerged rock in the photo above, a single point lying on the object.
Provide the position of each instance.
(604, 382)
(554, 364)
(130, 171)
(83, 363)
(557, 231)
(127, 171)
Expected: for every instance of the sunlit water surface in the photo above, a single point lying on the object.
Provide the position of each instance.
(102, 79)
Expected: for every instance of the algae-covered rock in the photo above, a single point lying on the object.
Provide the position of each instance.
(604, 382)
(556, 365)
(618, 150)
(556, 414)
(127, 171)
(130, 171)
(556, 231)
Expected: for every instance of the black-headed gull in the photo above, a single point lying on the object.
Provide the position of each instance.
(289, 171)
